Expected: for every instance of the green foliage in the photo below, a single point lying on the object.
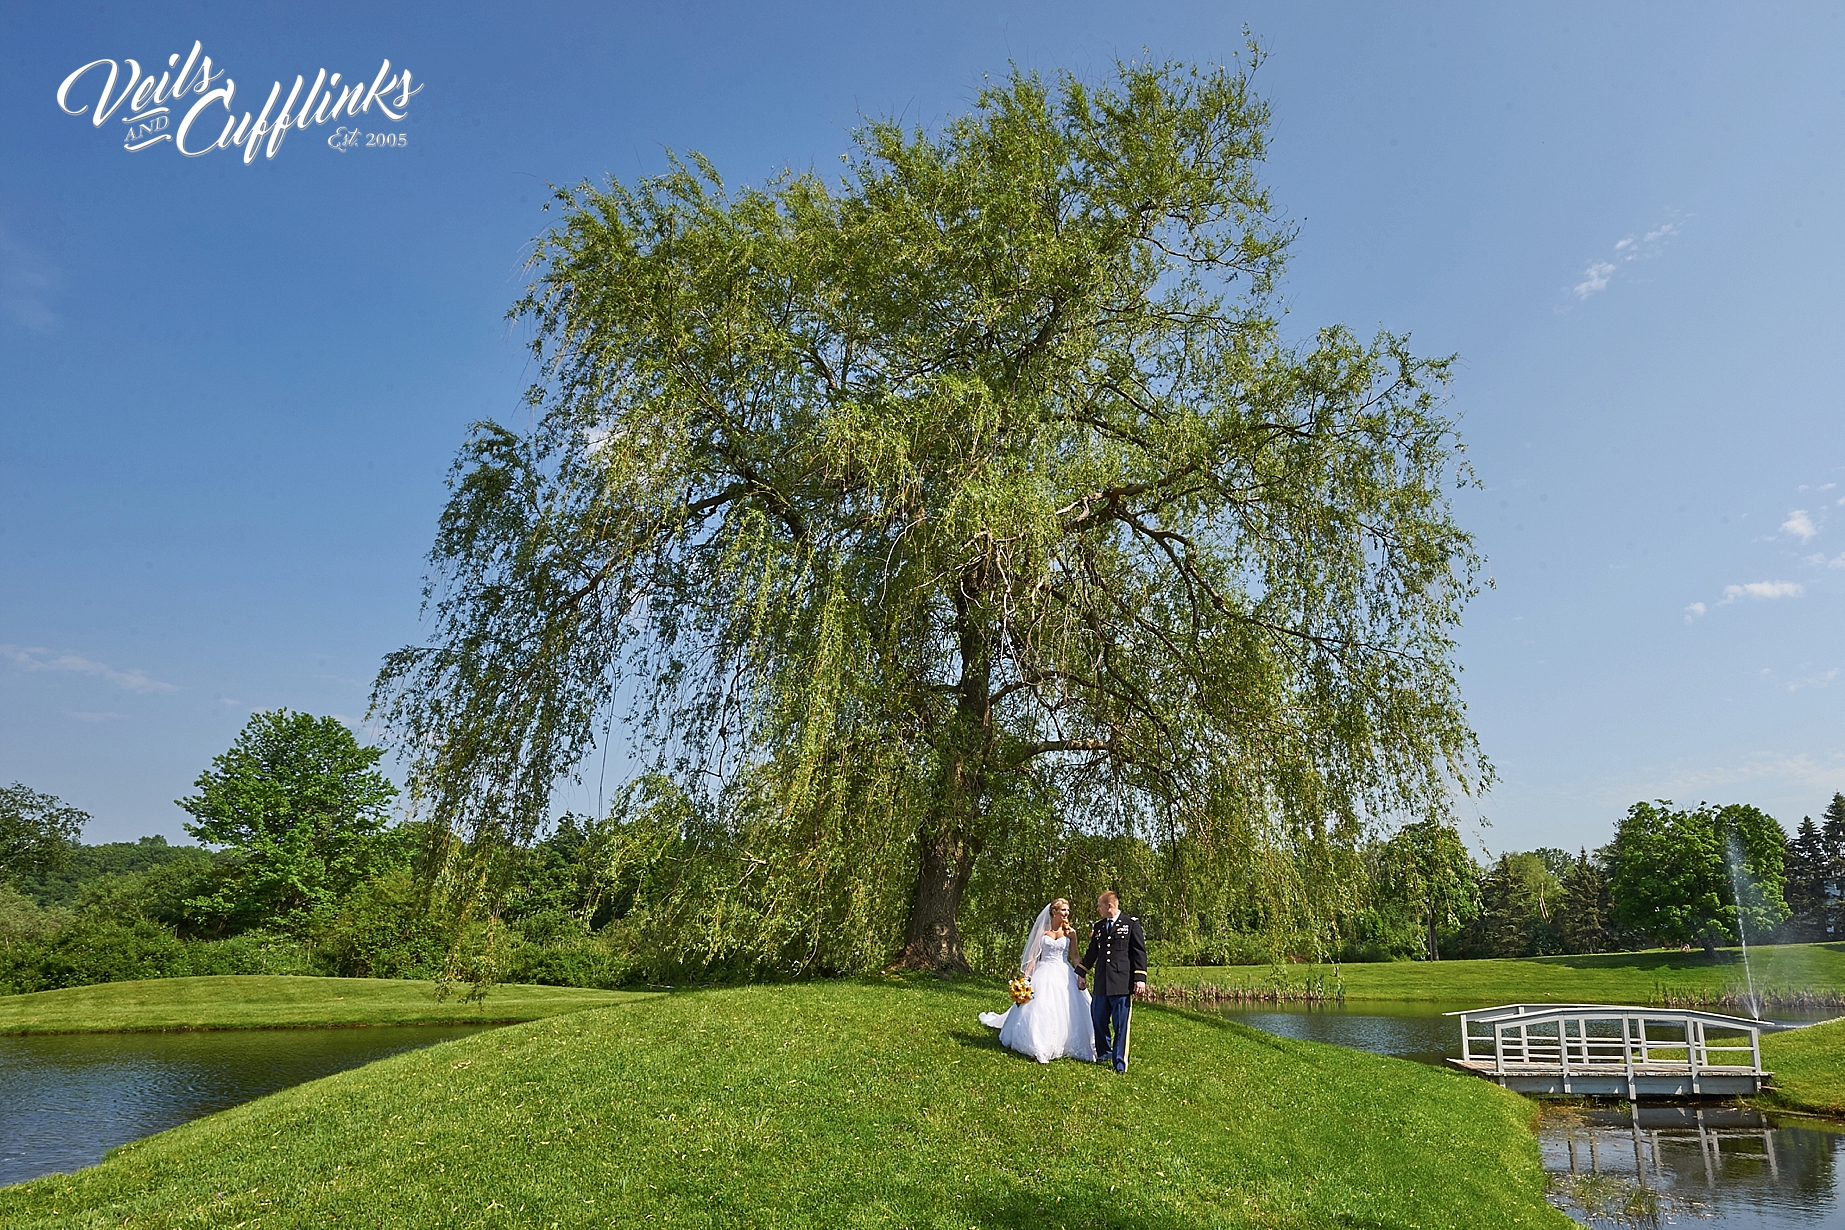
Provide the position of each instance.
(91, 950)
(1520, 900)
(1424, 884)
(978, 485)
(697, 898)
(170, 892)
(1586, 924)
(1671, 873)
(36, 832)
(384, 929)
(1815, 866)
(297, 801)
(87, 949)
(23, 920)
(580, 962)
(66, 883)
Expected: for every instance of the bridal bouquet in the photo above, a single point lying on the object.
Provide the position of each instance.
(1021, 989)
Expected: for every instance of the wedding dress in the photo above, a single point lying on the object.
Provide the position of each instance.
(1054, 1023)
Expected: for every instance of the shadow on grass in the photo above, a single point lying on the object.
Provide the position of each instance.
(1089, 1205)
(1094, 1207)
(1666, 959)
(983, 1039)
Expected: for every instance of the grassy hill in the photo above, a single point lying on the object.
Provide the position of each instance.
(851, 1103)
(1621, 977)
(255, 1001)
(1809, 1068)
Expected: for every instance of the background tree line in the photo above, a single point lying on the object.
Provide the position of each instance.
(301, 872)
(1703, 876)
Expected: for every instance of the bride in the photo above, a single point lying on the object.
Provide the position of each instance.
(1054, 1022)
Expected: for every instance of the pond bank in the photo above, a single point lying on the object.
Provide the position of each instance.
(257, 1001)
(66, 1099)
(1803, 975)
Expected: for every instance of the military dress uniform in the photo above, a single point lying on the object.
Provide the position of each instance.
(1117, 953)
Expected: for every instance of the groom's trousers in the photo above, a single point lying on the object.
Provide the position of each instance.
(1110, 1014)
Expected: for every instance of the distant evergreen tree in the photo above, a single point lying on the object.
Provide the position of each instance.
(1499, 929)
(1832, 842)
(1583, 918)
(1520, 899)
(1809, 876)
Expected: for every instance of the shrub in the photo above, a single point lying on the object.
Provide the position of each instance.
(384, 930)
(582, 963)
(89, 951)
(254, 952)
(23, 920)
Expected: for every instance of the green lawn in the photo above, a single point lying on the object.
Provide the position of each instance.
(1809, 1068)
(255, 1001)
(1627, 977)
(873, 1102)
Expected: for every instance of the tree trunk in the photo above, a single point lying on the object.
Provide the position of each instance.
(934, 939)
(1434, 942)
(947, 848)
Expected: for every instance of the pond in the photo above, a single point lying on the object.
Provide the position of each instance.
(1716, 1166)
(67, 1099)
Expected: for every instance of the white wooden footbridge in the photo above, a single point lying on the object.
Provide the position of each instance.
(1604, 1050)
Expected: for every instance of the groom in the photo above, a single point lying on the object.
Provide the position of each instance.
(1117, 953)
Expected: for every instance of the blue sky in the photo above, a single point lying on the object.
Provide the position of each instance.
(232, 391)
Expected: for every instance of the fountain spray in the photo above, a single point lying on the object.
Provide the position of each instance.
(1733, 852)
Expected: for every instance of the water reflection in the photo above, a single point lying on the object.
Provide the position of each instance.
(1722, 1166)
(67, 1099)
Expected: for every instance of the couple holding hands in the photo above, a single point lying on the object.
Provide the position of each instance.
(1060, 1019)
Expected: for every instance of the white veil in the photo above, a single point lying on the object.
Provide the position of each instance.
(1034, 943)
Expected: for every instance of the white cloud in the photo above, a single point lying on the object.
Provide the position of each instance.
(1762, 589)
(1598, 273)
(1693, 611)
(38, 658)
(1814, 681)
(1594, 278)
(84, 715)
(1800, 524)
(1664, 230)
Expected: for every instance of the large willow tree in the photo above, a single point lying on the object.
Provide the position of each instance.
(979, 480)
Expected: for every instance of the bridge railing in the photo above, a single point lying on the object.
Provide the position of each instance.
(1609, 1036)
